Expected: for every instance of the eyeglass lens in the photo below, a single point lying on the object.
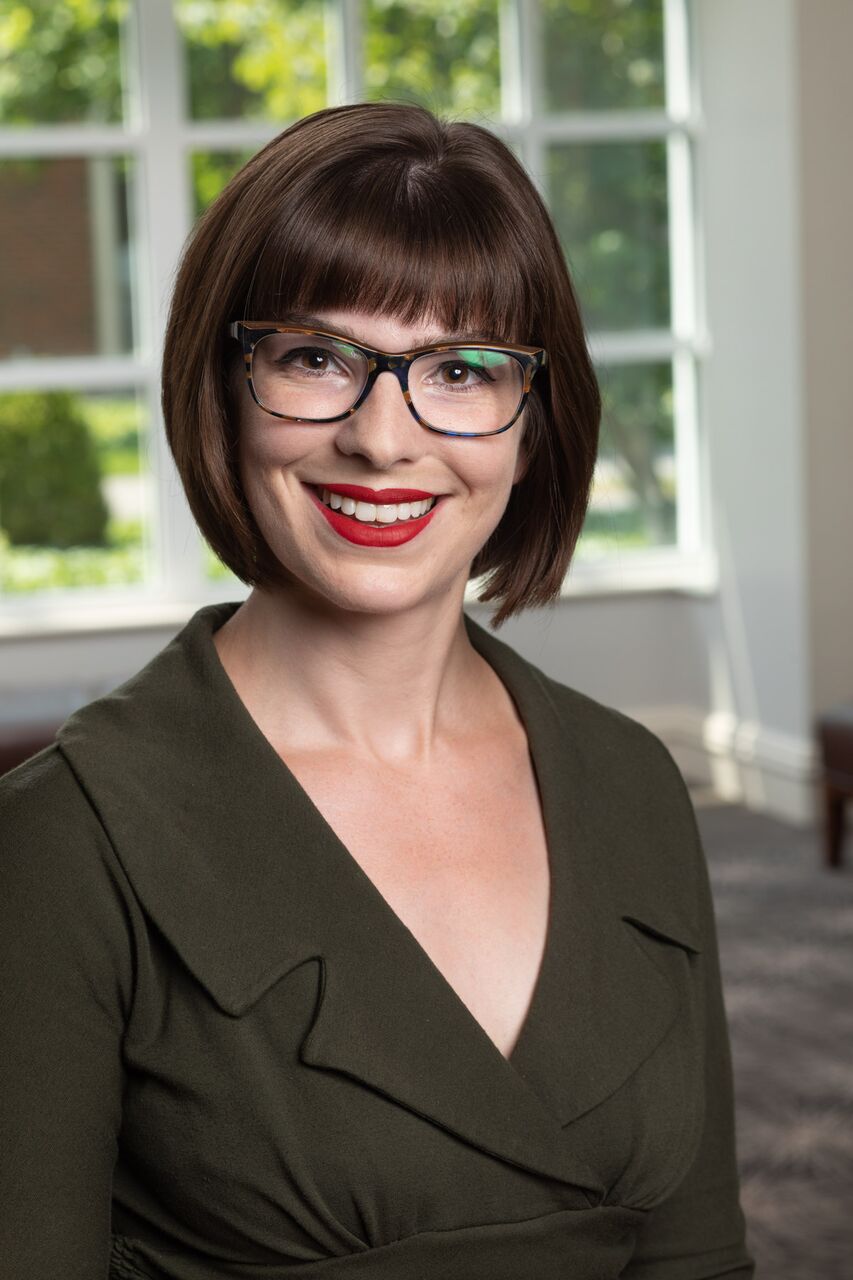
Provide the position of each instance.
(470, 389)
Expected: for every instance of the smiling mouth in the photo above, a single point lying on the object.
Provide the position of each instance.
(375, 515)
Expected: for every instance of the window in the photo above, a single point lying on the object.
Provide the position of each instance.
(121, 121)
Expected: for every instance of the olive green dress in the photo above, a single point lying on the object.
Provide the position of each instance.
(224, 1054)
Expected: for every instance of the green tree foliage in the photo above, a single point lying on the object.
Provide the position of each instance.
(602, 54)
(211, 171)
(445, 56)
(50, 476)
(254, 58)
(60, 61)
(637, 429)
(609, 201)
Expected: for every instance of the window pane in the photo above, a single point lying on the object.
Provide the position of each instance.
(602, 54)
(254, 59)
(634, 499)
(211, 171)
(62, 62)
(216, 571)
(609, 202)
(74, 490)
(68, 277)
(443, 55)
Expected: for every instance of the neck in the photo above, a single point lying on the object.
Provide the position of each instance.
(393, 687)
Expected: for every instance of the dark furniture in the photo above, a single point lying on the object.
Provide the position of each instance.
(835, 738)
(20, 741)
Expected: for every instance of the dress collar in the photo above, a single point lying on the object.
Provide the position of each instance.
(239, 870)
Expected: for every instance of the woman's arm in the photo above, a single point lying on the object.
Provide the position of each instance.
(65, 983)
(699, 1233)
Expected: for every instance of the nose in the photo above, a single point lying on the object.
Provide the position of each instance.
(382, 428)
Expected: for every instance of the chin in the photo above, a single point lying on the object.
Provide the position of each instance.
(380, 592)
(377, 593)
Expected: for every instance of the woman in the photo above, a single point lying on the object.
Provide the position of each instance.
(341, 940)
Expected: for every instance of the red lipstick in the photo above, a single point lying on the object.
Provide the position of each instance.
(366, 535)
(362, 494)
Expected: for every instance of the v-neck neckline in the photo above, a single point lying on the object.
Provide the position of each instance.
(237, 869)
(520, 693)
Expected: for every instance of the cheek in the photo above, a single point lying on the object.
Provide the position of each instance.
(484, 461)
(490, 470)
(263, 457)
(263, 452)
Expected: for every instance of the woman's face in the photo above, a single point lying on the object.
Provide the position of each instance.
(284, 466)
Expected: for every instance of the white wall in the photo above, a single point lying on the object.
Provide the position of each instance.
(728, 681)
(825, 34)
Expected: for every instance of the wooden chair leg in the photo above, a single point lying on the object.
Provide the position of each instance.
(834, 828)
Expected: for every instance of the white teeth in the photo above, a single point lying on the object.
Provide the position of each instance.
(370, 513)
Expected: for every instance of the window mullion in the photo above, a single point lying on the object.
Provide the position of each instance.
(165, 220)
(676, 53)
(74, 373)
(606, 126)
(520, 123)
(50, 140)
(688, 512)
(682, 276)
(344, 51)
(514, 84)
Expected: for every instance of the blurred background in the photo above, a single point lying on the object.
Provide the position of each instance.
(695, 155)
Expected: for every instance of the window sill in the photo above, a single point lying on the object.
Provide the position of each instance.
(637, 571)
(613, 575)
(90, 613)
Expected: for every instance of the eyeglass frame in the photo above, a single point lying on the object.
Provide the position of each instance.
(531, 359)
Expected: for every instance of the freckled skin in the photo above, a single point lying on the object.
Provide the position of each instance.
(382, 709)
(380, 445)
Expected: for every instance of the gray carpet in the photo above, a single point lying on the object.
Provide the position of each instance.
(785, 927)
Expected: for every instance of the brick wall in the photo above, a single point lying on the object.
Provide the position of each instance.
(46, 294)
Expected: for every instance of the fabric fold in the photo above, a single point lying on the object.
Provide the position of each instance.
(593, 1244)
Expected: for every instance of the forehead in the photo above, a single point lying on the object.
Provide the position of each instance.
(382, 329)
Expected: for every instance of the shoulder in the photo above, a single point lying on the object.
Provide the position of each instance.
(614, 742)
(63, 895)
(633, 766)
(642, 812)
(609, 749)
(626, 800)
(42, 804)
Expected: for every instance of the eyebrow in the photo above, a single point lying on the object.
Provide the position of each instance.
(304, 321)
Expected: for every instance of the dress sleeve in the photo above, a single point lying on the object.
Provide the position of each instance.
(65, 961)
(699, 1232)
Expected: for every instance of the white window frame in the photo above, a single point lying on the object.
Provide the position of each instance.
(161, 139)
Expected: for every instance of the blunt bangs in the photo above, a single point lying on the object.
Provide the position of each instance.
(395, 238)
(384, 207)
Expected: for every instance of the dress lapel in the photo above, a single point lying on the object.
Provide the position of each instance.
(601, 1005)
(245, 878)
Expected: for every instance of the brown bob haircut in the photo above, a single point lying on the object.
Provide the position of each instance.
(384, 207)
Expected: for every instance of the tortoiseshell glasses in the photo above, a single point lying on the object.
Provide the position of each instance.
(311, 375)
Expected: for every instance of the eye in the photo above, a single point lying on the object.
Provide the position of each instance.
(314, 358)
(455, 372)
(316, 361)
